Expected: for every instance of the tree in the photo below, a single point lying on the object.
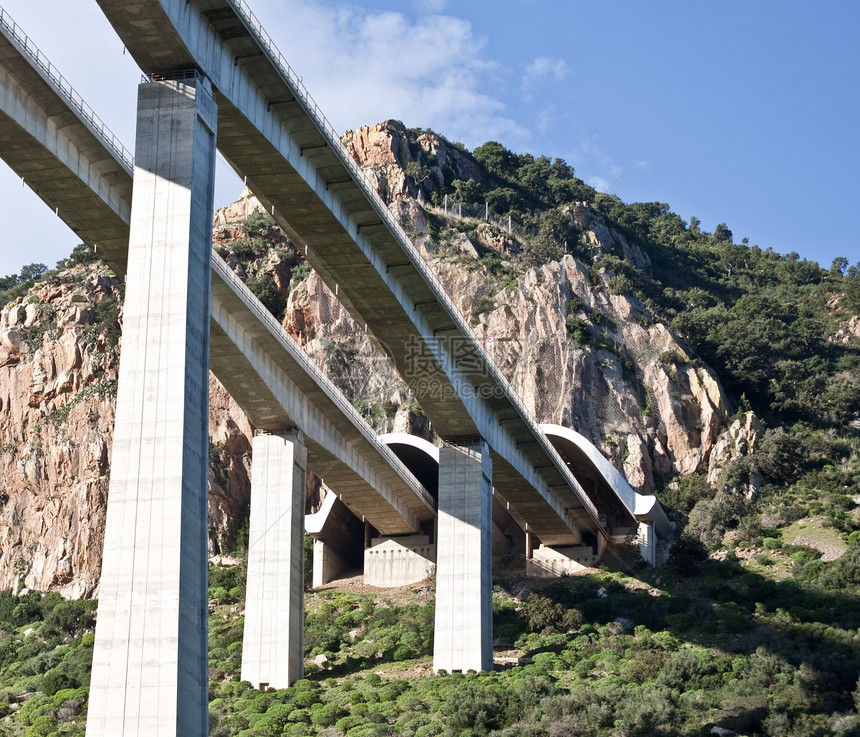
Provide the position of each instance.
(81, 254)
(504, 200)
(541, 250)
(417, 172)
(554, 225)
(496, 158)
(468, 190)
(838, 267)
(722, 233)
(257, 224)
(31, 272)
(851, 284)
(8, 281)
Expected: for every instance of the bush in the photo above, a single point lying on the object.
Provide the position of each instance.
(484, 303)
(579, 331)
(257, 224)
(263, 285)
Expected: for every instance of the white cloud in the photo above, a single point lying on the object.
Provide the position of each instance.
(431, 6)
(599, 183)
(365, 66)
(547, 67)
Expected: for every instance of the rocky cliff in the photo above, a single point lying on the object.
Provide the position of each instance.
(577, 351)
(59, 355)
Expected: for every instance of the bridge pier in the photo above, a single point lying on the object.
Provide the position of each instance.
(272, 648)
(338, 539)
(464, 607)
(150, 674)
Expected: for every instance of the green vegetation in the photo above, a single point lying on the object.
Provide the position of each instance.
(762, 320)
(59, 416)
(606, 654)
(263, 253)
(46, 648)
(752, 626)
(13, 286)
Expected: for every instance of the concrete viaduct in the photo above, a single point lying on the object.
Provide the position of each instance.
(215, 78)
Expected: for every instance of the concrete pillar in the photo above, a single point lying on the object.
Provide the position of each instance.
(464, 605)
(272, 653)
(150, 665)
(328, 565)
(647, 543)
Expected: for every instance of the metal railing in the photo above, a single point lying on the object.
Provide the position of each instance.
(62, 87)
(181, 75)
(333, 139)
(297, 354)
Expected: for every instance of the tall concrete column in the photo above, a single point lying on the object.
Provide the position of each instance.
(274, 599)
(150, 675)
(464, 605)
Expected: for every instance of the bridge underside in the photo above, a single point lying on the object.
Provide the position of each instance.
(273, 135)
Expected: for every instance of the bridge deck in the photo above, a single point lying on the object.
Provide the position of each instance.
(272, 133)
(75, 166)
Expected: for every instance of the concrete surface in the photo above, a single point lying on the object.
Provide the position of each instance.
(149, 674)
(463, 638)
(399, 561)
(272, 652)
(274, 134)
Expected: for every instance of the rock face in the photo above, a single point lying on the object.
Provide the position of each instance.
(632, 390)
(576, 352)
(59, 357)
(385, 152)
(351, 360)
(57, 388)
(738, 440)
(625, 381)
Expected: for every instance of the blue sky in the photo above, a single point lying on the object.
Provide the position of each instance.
(742, 112)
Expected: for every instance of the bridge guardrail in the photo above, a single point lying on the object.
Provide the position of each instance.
(266, 317)
(62, 86)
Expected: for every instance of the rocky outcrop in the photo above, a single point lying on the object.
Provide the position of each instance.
(59, 356)
(386, 150)
(848, 333)
(57, 384)
(633, 390)
(352, 359)
(736, 441)
(576, 352)
(627, 382)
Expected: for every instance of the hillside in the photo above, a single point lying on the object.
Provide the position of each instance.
(721, 376)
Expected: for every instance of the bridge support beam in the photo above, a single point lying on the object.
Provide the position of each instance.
(464, 607)
(547, 562)
(338, 539)
(274, 603)
(150, 674)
